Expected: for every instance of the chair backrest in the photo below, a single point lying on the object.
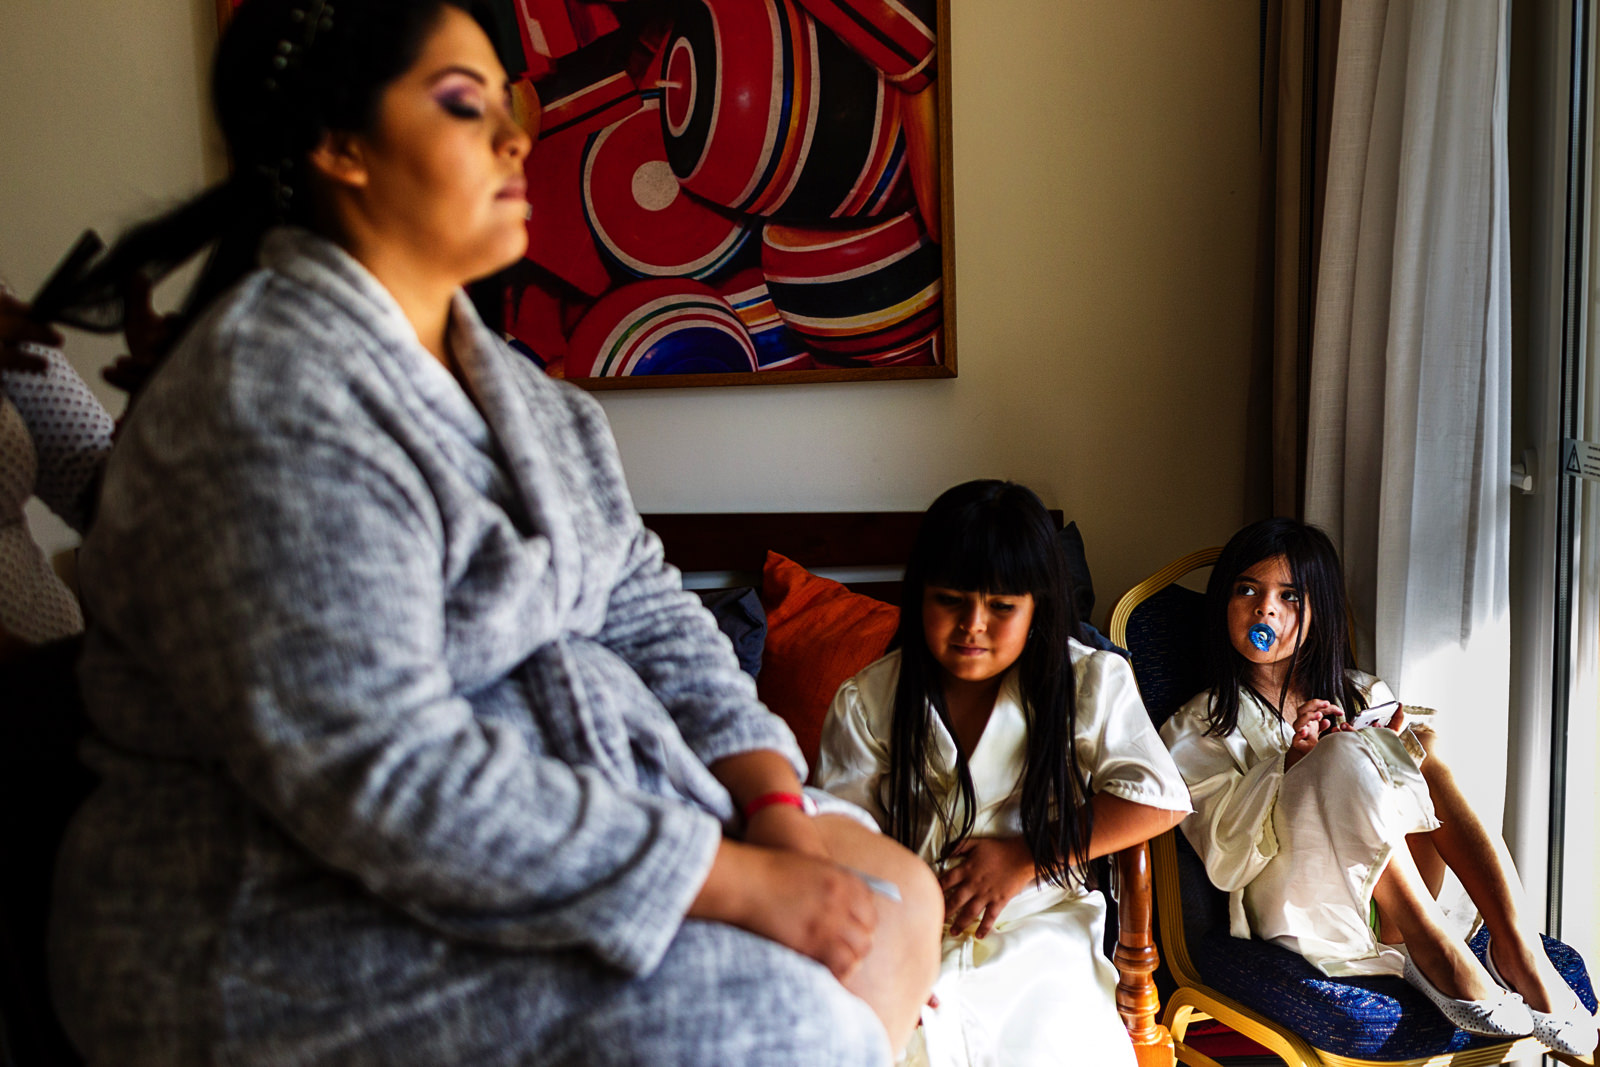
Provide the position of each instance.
(1160, 622)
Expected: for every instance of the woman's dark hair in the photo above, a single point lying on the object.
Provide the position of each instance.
(997, 538)
(286, 73)
(1322, 647)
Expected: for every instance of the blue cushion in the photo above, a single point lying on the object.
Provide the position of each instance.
(1164, 639)
(741, 617)
(1364, 1018)
(1091, 636)
(1078, 570)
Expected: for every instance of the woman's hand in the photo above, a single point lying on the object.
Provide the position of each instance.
(813, 906)
(992, 871)
(1311, 720)
(16, 330)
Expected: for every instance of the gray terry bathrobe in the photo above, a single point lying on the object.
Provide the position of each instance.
(403, 723)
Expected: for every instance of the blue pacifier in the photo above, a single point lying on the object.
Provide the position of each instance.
(1261, 636)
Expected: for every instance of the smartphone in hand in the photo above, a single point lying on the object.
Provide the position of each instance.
(1377, 715)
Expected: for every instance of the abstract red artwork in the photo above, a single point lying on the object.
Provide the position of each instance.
(732, 192)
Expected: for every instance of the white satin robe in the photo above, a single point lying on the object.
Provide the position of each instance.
(1299, 853)
(1039, 989)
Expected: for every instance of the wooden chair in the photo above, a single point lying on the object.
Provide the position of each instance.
(1264, 992)
(736, 544)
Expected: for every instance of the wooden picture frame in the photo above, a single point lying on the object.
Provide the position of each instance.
(677, 241)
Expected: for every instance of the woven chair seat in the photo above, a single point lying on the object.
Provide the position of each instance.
(1374, 1018)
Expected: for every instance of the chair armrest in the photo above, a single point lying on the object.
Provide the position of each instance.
(1136, 959)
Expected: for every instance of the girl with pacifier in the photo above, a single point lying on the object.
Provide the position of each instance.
(1323, 812)
(1007, 755)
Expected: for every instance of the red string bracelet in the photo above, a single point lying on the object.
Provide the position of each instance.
(766, 800)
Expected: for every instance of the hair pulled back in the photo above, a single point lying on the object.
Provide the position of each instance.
(286, 73)
(993, 537)
(1322, 647)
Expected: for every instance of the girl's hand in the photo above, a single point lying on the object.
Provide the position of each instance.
(813, 906)
(1311, 720)
(1397, 721)
(992, 871)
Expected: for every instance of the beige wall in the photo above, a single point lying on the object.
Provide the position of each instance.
(1105, 157)
(101, 123)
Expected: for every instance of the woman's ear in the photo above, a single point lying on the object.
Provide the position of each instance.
(340, 159)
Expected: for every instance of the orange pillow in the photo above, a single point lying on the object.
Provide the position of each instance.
(819, 633)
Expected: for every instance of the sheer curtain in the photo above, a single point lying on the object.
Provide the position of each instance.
(1409, 441)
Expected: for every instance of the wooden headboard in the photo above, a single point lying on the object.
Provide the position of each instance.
(821, 541)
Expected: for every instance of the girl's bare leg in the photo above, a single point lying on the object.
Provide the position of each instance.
(1480, 859)
(1430, 868)
(898, 973)
(1430, 864)
(1406, 905)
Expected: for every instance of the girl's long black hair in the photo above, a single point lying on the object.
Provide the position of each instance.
(994, 537)
(1322, 647)
(286, 73)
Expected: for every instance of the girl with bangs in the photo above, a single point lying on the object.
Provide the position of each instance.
(1007, 755)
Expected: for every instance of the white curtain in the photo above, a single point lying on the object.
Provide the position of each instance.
(1409, 437)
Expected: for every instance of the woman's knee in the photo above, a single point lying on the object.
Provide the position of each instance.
(897, 974)
(919, 914)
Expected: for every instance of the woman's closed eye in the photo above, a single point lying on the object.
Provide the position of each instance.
(463, 104)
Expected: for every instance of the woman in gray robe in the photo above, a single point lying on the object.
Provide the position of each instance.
(413, 749)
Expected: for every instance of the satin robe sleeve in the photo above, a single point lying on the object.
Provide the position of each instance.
(1117, 746)
(854, 757)
(1233, 793)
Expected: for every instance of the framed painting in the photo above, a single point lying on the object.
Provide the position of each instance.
(732, 192)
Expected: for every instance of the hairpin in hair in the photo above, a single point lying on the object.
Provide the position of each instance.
(313, 18)
(277, 176)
